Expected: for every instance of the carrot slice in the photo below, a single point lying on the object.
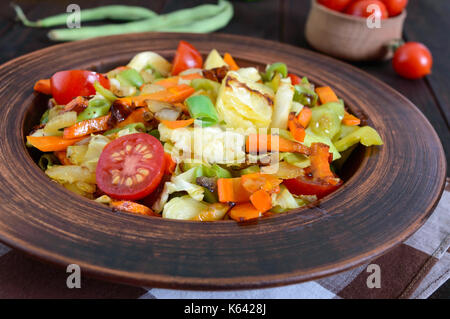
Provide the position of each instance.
(43, 86)
(297, 130)
(173, 94)
(177, 124)
(350, 120)
(304, 117)
(51, 143)
(261, 200)
(243, 212)
(231, 190)
(132, 207)
(326, 94)
(263, 143)
(87, 127)
(62, 157)
(173, 81)
(230, 61)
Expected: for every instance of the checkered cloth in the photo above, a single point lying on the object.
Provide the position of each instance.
(414, 269)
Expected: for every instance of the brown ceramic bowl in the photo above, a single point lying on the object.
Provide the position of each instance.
(348, 37)
(388, 192)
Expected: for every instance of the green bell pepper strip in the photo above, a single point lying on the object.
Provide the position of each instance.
(209, 196)
(96, 108)
(216, 171)
(205, 84)
(47, 160)
(107, 94)
(155, 133)
(273, 68)
(366, 135)
(200, 107)
(130, 77)
(249, 170)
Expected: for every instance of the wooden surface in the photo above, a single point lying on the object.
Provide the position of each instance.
(283, 21)
(391, 191)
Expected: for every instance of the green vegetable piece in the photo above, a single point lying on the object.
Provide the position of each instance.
(205, 84)
(366, 135)
(130, 77)
(133, 127)
(274, 68)
(337, 108)
(155, 133)
(216, 171)
(324, 122)
(249, 170)
(44, 117)
(200, 107)
(107, 94)
(47, 160)
(275, 82)
(209, 196)
(305, 95)
(96, 108)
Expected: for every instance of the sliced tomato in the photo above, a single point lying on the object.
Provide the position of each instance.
(67, 85)
(131, 167)
(295, 79)
(186, 57)
(303, 185)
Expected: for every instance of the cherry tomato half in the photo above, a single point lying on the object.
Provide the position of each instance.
(186, 57)
(412, 60)
(303, 185)
(359, 9)
(67, 85)
(131, 166)
(395, 7)
(295, 79)
(337, 5)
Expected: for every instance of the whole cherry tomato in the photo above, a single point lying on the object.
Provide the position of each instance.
(395, 7)
(67, 85)
(186, 57)
(359, 9)
(412, 60)
(337, 5)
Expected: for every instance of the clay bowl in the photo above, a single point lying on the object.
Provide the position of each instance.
(388, 193)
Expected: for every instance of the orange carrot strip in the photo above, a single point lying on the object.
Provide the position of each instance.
(43, 86)
(51, 143)
(62, 157)
(261, 200)
(263, 143)
(256, 181)
(231, 190)
(243, 212)
(171, 95)
(320, 165)
(132, 207)
(304, 117)
(230, 61)
(297, 130)
(326, 94)
(170, 164)
(87, 127)
(350, 120)
(137, 116)
(177, 124)
(173, 81)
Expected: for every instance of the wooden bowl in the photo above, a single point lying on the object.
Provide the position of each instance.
(348, 37)
(388, 193)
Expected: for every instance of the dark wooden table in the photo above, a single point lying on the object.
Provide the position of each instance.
(281, 20)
